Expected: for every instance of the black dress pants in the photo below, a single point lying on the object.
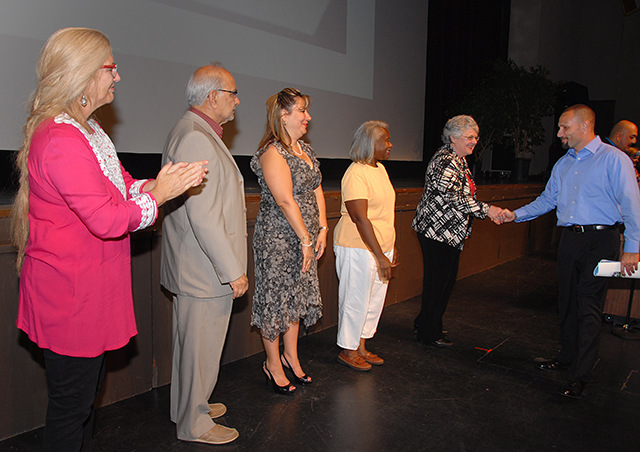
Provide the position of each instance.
(581, 296)
(440, 270)
(73, 386)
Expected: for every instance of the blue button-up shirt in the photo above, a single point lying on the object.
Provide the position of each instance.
(594, 186)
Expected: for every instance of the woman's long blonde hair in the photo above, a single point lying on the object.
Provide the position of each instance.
(68, 62)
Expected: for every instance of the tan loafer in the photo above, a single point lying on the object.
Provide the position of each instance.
(216, 410)
(373, 359)
(357, 363)
(218, 434)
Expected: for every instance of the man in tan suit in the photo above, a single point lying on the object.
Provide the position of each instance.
(204, 254)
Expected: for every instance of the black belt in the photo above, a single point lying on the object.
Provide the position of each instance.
(589, 227)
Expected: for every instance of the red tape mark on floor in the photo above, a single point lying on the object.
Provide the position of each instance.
(489, 350)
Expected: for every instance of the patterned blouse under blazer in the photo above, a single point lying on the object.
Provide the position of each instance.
(449, 203)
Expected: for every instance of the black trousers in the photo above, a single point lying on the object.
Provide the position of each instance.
(440, 270)
(581, 296)
(73, 386)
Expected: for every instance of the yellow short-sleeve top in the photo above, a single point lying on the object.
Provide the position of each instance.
(362, 181)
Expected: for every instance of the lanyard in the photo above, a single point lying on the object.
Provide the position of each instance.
(472, 186)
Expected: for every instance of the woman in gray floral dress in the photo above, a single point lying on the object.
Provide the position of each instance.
(290, 236)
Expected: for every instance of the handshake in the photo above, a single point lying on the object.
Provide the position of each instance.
(499, 215)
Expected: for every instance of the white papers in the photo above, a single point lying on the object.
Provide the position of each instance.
(608, 269)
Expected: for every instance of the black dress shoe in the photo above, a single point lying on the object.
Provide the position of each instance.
(442, 343)
(416, 328)
(574, 389)
(552, 364)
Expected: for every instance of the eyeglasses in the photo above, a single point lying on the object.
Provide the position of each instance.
(112, 67)
(471, 137)
(233, 93)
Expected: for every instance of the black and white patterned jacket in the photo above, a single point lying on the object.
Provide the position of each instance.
(445, 212)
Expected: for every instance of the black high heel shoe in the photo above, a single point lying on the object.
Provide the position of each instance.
(304, 380)
(285, 390)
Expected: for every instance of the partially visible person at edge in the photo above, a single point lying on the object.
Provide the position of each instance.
(290, 237)
(623, 135)
(634, 155)
(72, 217)
(593, 189)
(443, 221)
(204, 255)
(364, 244)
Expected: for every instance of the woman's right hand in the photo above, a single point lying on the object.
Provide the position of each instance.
(176, 178)
(496, 214)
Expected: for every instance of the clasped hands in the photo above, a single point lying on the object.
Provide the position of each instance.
(176, 178)
(499, 215)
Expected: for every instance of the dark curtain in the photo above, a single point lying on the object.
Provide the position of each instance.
(464, 38)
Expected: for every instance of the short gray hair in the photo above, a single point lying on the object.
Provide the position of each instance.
(202, 83)
(456, 127)
(364, 140)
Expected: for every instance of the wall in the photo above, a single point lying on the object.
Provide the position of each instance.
(578, 40)
(590, 42)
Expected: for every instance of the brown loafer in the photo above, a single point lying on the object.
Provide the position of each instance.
(373, 359)
(357, 363)
(218, 434)
(216, 410)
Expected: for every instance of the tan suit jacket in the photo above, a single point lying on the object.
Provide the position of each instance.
(204, 233)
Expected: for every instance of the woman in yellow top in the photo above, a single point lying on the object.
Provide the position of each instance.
(364, 241)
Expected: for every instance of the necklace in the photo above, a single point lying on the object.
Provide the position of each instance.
(295, 152)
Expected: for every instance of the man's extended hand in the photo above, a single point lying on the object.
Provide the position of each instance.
(507, 216)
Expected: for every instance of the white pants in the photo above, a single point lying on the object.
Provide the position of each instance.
(361, 295)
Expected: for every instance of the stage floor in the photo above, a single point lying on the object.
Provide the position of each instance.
(484, 394)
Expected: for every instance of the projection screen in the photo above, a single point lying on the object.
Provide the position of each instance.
(358, 59)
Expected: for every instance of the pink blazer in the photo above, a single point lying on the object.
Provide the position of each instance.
(75, 284)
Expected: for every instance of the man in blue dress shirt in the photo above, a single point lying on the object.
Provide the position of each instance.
(593, 187)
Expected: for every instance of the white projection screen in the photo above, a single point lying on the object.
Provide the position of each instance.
(358, 59)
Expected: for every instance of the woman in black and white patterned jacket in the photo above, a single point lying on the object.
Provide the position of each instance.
(443, 221)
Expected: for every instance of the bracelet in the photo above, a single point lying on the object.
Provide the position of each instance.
(305, 237)
(325, 228)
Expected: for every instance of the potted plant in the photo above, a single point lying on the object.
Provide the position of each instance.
(509, 104)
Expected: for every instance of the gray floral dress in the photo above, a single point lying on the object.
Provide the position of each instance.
(283, 294)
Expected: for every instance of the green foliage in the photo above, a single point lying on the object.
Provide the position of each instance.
(509, 104)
